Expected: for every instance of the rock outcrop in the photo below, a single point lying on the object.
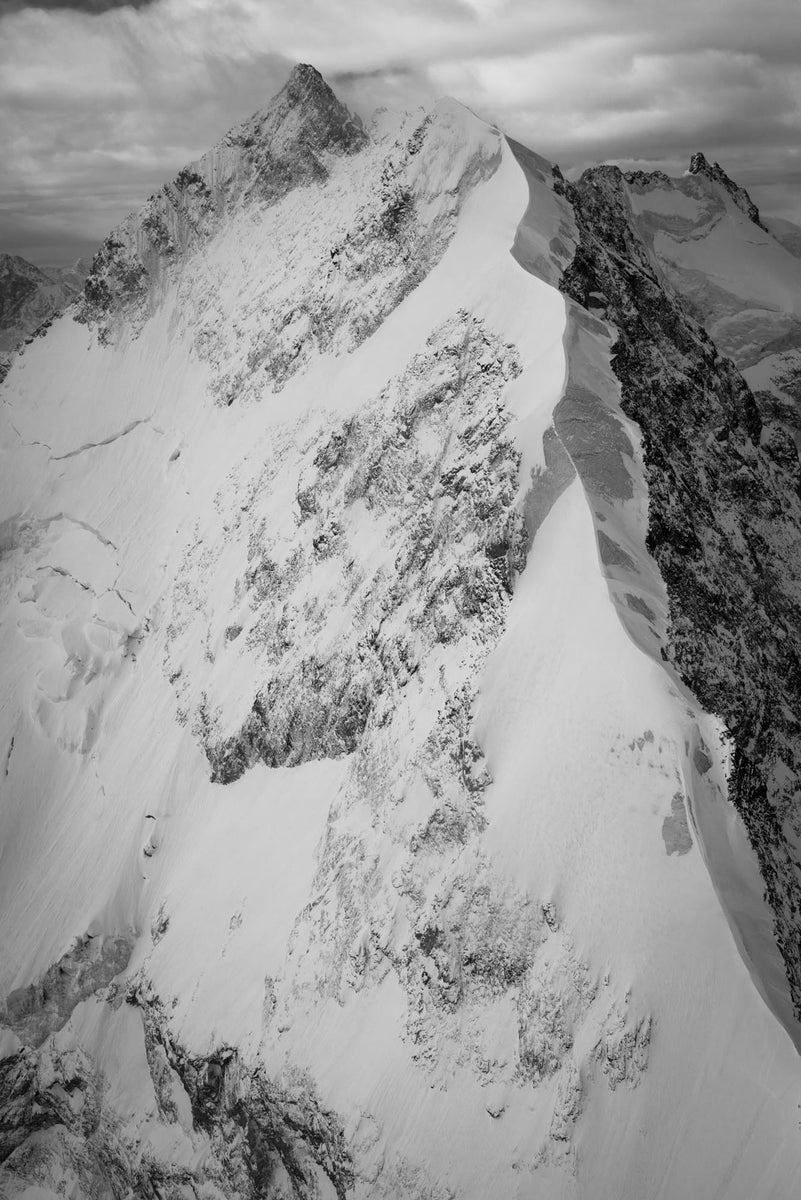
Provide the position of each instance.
(724, 515)
(700, 166)
(205, 1125)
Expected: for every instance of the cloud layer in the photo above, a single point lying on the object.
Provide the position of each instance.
(100, 102)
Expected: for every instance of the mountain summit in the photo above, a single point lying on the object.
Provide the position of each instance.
(399, 669)
(307, 113)
(280, 148)
(700, 166)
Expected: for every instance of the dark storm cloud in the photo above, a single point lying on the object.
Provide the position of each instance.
(97, 108)
(86, 6)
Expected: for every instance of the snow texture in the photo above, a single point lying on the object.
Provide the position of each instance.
(357, 839)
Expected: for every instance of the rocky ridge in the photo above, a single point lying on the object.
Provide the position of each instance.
(724, 509)
(212, 1127)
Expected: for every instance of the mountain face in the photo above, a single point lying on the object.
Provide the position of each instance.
(400, 670)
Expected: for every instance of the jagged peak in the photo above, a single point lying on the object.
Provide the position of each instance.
(700, 165)
(305, 110)
(305, 73)
(647, 179)
(605, 175)
(285, 145)
(306, 88)
(306, 81)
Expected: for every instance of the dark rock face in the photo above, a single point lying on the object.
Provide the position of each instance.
(264, 1138)
(430, 457)
(35, 1011)
(31, 1104)
(333, 704)
(647, 179)
(725, 511)
(284, 143)
(252, 1137)
(700, 166)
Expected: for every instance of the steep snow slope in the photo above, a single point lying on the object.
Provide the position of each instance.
(352, 843)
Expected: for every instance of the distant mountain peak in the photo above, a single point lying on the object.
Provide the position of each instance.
(14, 264)
(699, 165)
(306, 75)
(305, 83)
(29, 297)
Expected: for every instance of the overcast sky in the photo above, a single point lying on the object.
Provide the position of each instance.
(101, 102)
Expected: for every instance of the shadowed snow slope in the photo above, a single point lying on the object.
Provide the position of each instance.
(356, 838)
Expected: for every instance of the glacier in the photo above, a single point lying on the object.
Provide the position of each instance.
(363, 830)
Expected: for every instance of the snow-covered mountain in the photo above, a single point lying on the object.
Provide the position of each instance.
(399, 643)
